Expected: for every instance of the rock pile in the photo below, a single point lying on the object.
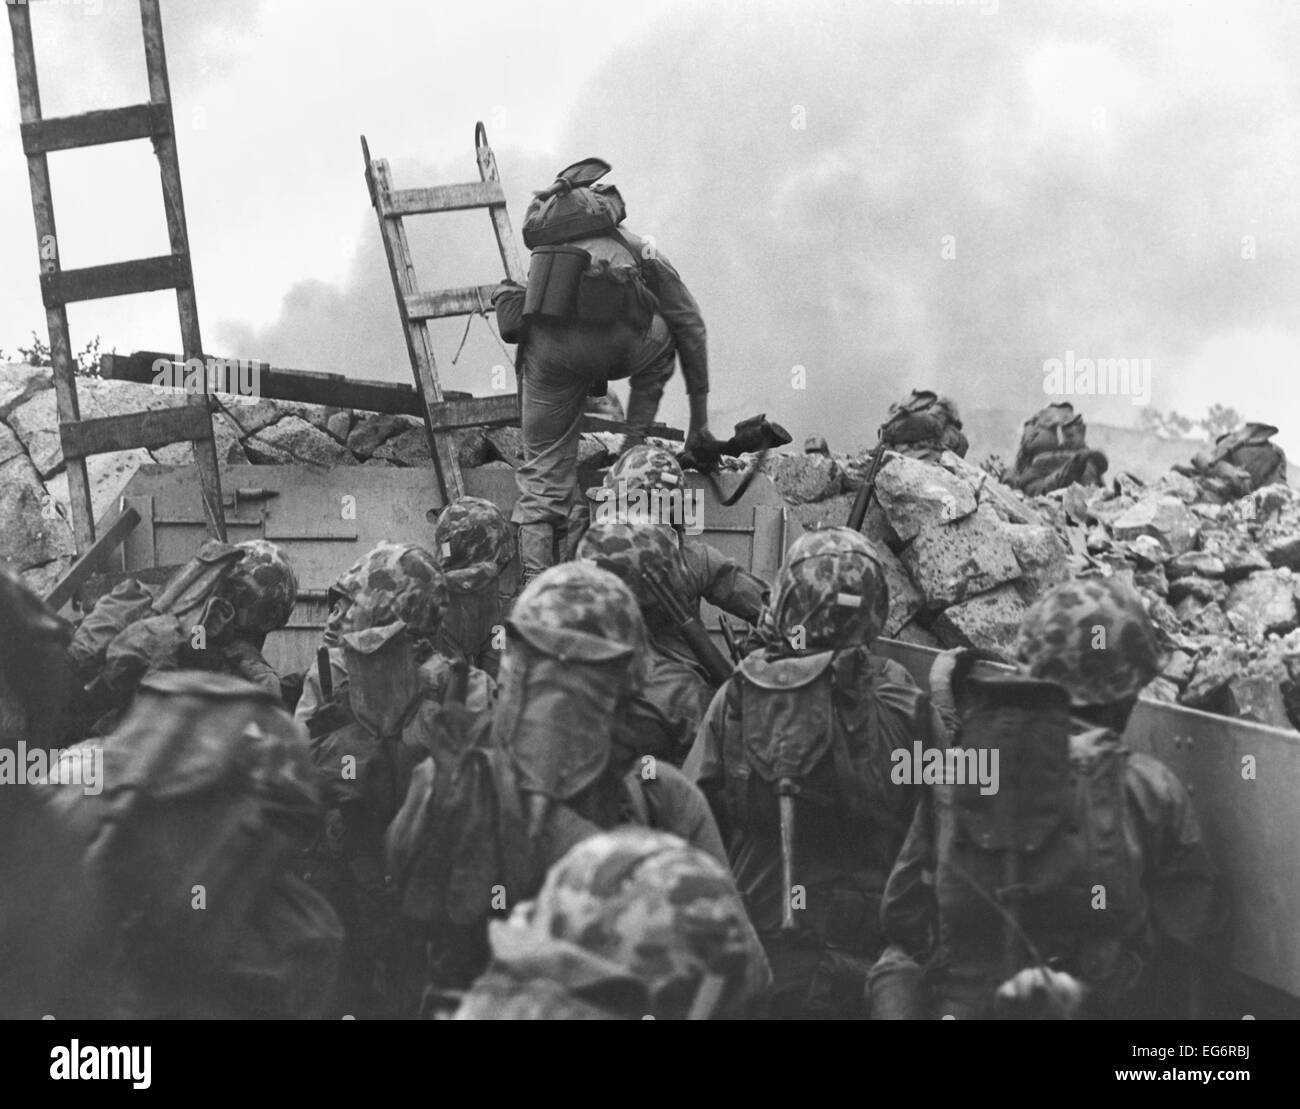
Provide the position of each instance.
(967, 555)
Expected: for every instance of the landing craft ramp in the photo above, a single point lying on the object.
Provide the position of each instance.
(328, 518)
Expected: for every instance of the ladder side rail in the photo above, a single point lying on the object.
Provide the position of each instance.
(205, 449)
(418, 343)
(56, 316)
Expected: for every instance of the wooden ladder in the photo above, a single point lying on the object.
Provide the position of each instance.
(59, 288)
(417, 308)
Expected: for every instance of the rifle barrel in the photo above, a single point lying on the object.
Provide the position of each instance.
(692, 630)
(858, 513)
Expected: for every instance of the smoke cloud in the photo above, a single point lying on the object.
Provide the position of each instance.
(867, 197)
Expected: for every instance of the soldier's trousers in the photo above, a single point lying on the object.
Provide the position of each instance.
(560, 362)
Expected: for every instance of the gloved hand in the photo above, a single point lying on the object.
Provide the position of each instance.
(703, 452)
(1037, 993)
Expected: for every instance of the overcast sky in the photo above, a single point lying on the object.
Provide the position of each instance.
(884, 194)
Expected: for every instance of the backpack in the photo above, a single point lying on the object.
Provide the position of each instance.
(1249, 449)
(574, 207)
(187, 597)
(1054, 428)
(207, 786)
(1041, 868)
(459, 850)
(567, 282)
(924, 419)
(811, 763)
(475, 610)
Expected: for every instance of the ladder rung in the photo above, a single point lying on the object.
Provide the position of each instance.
(142, 275)
(187, 422)
(441, 198)
(450, 302)
(475, 412)
(139, 121)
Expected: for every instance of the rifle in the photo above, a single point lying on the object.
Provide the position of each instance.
(688, 624)
(858, 513)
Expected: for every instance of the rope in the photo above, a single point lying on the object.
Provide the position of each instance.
(483, 310)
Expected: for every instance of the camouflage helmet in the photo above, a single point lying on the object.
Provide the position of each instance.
(1093, 637)
(832, 586)
(473, 531)
(579, 611)
(645, 467)
(651, 905)
(262, 587)
(628, 550)
(395, 581)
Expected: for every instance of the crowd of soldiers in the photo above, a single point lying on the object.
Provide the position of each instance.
(542, 805)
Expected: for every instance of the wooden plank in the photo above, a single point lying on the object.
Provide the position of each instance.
(205, 447)
(188, 423)
(442, 198)
(618, 427)
(273, 383)
(461, 301)
(139, 121)
(475, 412)
(91, 559)
(140, 275)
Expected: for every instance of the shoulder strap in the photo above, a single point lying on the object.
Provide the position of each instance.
(648, 273)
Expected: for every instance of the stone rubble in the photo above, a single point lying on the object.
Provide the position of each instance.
(36, 535)
(1221, 582)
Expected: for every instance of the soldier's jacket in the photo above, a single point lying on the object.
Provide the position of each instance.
(363, 782)
(243, 658)
(666, 713)
(1240, 462)
(724, 583)
(1057, 469)
(1162, 850)
(459, 851)
(851, 818)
